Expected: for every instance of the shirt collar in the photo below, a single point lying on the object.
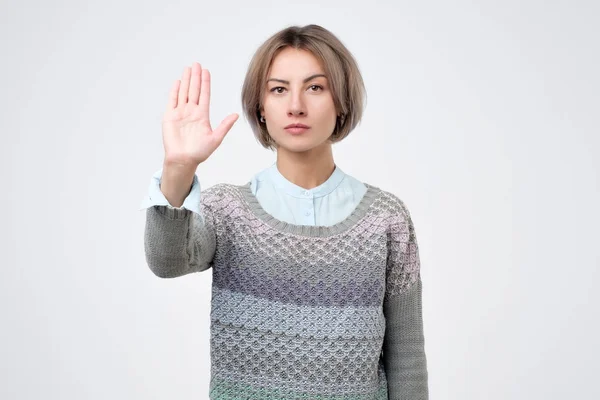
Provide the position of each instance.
(294, 190)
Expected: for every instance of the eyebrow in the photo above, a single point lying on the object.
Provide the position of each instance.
(304, 81)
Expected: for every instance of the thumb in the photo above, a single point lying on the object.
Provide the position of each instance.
(225, 126)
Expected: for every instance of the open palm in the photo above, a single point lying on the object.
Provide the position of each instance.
(188, 138)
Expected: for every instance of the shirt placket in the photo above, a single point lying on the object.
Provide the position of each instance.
(308, 208)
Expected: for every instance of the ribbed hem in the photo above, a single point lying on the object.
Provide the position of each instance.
(310, 230)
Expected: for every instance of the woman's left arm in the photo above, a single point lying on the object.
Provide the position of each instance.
(404, 343)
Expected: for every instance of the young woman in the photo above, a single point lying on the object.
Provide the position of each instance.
(316, 276)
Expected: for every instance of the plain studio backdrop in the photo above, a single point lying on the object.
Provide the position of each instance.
(481, 116)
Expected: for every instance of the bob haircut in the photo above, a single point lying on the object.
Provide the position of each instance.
(341, 69)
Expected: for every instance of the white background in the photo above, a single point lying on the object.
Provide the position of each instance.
(482, 116)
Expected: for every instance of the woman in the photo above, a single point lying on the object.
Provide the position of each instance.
(316, 276)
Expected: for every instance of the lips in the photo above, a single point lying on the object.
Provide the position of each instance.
(297, 126)
(296, 129)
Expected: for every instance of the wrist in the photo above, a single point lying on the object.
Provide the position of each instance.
(176, 182)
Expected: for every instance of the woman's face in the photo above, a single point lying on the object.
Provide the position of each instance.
(298, 93)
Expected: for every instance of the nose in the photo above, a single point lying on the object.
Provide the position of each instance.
(296, 105)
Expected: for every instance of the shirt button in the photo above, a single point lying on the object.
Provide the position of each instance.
(307, 213)
(306, 193)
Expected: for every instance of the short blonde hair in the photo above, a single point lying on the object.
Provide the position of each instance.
(341, 69)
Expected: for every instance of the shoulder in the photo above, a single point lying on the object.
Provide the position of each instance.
(220, 188)
(388, 203)
(236, 191)
(383, 201)
(222, 194)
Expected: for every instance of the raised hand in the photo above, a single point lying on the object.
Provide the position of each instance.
(188, 137)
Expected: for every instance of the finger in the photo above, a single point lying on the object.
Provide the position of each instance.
(184, 87)
(173, 95)
(194, 90)
(225, 126)
(205, 93)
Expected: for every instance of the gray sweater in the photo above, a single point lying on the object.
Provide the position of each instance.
(302, 312)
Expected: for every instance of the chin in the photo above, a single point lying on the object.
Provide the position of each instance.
(299, 146)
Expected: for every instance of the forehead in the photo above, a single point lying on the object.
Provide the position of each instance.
(294, 62)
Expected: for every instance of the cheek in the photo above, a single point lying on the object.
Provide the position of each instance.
(327, 114)
(272, 108)
(326, 109)
(268, 101)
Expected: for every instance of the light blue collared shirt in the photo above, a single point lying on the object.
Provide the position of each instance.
(324, 205)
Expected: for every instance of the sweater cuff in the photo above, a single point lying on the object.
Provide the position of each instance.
(176, 213)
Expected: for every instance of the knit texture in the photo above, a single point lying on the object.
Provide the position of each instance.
(302, 312)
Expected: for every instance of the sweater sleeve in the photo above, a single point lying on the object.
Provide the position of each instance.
(404, 344)
(177, 240)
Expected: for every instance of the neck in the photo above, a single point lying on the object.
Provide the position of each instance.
(308, 169)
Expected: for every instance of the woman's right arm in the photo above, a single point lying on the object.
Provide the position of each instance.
(177, 240)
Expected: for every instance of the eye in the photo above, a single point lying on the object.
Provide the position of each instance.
(276, 89)
(318, 87)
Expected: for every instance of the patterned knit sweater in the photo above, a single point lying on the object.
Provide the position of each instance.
(302, 312)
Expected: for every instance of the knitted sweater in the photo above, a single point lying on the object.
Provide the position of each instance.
(302, 312)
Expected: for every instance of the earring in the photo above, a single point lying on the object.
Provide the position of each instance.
(262, 119)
